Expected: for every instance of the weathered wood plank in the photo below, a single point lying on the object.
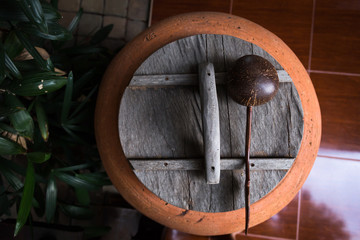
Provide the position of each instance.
(160, 123)
(172, 187)
(205, 197)
(182, 56)
(261, 183)
(167, 123)
(235, 48)
(215, 51)
(186, 79)
(198, 164)
(211, 122)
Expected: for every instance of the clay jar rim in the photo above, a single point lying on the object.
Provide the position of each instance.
(117, 78)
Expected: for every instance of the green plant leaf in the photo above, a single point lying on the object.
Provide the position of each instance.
(56, 31)
(31, 49)
(73, 136)
(12, 45)
(76, 167)
(101, 34)
(49, 65)
(11, 177)
(26, 199)
(12, 67)
(83, 81)
(83, 196)
(42, 120)
(2, 63)
(9, 64)
(95, 231)
(75, 182)
(67, 98)
(95, 179)
(83, 103)
(19, 169)
(7, 128)
(77, 212)
(21, 120)
(50, 13)
(37, 84)
(8, 147)
(38, 157)
(6, 111)
(72, 26)
(51, 195)
(34, 12)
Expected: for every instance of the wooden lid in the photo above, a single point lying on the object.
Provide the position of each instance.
(117, 78)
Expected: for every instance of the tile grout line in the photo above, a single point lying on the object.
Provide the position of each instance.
(334, 73)
(264, 237)
(311, 35)
(78, 25)
(127, 19)
(150, 13)
(298, 216)
(231, 6)
(103, 14)
(339, 158)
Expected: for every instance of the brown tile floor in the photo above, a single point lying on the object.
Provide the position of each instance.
(282, 225)
(325, 34)
(336, 37)
(248, 237)
(330, 201)
(288, 19)
(339, 98)
(164, 8)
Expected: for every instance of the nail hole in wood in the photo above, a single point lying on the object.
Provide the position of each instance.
(209, 74)
(252, 165)
(212, 168)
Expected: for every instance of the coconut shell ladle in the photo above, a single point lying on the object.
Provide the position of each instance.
(253, 81)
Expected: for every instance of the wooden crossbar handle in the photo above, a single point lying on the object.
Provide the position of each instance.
(211, 122)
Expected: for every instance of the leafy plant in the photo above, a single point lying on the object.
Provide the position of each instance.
(47, 97)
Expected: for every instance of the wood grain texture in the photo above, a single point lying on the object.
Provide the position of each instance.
(186, 79)
(210, 121)
(198, 164)
(165, 122)
(176, 57)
